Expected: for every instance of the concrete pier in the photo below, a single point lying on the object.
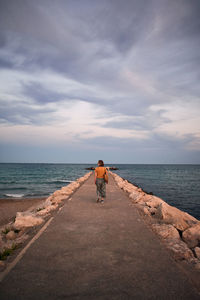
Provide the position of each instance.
(97, 251)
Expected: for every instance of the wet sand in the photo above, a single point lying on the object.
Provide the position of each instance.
(9, 207)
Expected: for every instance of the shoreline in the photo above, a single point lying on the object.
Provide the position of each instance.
(9, 207)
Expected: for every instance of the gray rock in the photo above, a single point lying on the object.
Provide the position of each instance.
(174, 216)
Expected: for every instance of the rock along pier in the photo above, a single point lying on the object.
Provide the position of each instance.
(96, 251)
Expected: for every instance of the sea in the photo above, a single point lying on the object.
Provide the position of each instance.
(178, 185)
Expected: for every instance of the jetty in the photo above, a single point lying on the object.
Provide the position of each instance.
(92, 251)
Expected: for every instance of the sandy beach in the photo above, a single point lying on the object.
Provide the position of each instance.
(9, 207)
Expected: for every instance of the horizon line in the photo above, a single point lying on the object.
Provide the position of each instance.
(73, 163)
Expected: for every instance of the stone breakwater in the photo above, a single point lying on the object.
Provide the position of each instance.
(179, 230)
(15, 233)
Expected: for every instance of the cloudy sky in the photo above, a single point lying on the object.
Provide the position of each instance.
(82, 80)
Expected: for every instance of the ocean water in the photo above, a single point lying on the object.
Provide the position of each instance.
(36, 180)
(178, 185)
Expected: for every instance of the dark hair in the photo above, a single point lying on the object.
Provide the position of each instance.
(101, 163)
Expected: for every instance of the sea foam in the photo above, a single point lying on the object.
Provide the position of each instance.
(14, 195)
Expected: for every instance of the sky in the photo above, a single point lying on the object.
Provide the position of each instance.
(83, 80)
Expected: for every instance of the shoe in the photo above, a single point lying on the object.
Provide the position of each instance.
(98, 200)
(102, 201)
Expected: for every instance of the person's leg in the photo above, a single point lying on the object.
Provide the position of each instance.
(103, 191)
(98, 190)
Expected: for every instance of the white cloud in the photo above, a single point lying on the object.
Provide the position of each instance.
(72, 119)
(183, 121)
(71, 122)
(140, 82)
(66, 120)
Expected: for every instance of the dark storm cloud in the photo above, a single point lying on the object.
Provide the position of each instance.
(80, 40)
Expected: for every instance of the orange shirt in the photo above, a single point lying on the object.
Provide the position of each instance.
(100, 171)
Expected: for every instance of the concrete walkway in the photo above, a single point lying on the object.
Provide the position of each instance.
(93, 251)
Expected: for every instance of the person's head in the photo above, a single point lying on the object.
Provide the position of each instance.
(100, 163)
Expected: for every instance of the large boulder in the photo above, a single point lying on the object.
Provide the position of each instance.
(47, 210)
(174, 216)
(154, 202)
(80, 180)
(62, 192)
(138, 196)
(120, 184)
(24, 220)
(48, 200)
(84, 178)
(46, 203)
(58, 199)
(74, 185)
(197, 252)
(192, 236)
(143, 209)
(166, 231)
(133, 195)
(128, 187)
(146, 211)
(180, 250)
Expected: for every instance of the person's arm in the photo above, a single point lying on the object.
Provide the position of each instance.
(106, 174)
(95, 176)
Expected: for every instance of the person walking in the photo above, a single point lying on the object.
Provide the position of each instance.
(100, 179)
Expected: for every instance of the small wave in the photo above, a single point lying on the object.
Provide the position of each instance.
(66, 180)
(14, 195)
(61, 181)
